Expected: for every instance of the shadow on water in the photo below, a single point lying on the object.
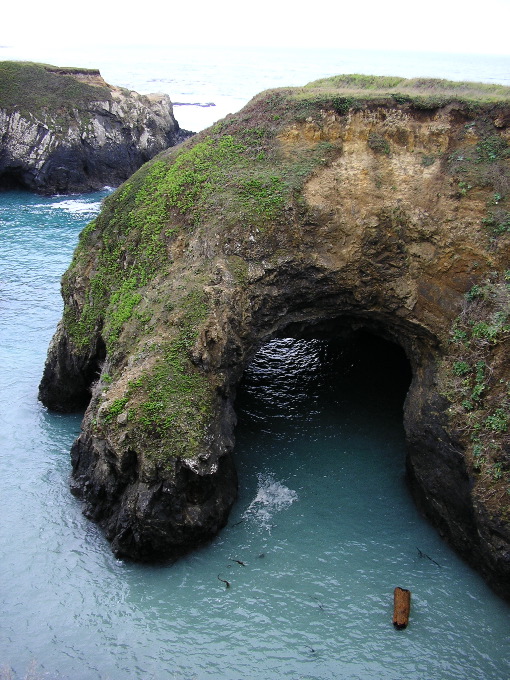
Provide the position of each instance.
(290, 377)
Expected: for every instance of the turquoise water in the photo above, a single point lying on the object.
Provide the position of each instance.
(324, 525)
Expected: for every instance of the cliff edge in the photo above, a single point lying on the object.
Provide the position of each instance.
(352, 203)
(65, 130)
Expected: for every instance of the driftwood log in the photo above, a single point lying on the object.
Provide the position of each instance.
(401, 607)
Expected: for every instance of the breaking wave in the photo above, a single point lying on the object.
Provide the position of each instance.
(76, 206)
(272, 496)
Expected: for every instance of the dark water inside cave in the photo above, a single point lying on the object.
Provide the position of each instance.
(324, 523)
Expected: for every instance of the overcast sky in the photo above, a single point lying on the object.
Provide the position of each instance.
(434, 25)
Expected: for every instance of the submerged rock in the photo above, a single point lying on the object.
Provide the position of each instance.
(66, 130)
(353, 203)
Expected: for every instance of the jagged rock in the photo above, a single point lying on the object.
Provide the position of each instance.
(314, 211)
(67, 130)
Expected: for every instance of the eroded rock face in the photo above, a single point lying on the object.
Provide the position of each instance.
(277, 222)
(84, 145)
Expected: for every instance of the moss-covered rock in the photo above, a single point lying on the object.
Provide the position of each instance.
(358, 202)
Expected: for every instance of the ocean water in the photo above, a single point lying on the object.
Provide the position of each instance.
(323, 529)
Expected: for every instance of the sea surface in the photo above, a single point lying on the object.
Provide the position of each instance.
(324, 527)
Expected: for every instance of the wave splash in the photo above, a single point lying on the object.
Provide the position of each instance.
(76, 206)
(272, 496)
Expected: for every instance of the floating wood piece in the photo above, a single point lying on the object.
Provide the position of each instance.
(401, 607)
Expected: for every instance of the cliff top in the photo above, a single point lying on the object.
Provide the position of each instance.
(355, 92)
(29, 87)
(269, 149)
(432, 91)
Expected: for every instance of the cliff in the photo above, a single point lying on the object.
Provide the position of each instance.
(352, 203)
(66, 130)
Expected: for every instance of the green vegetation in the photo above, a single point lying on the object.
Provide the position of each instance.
(479, 404)
(132, 238)
(177, 194)
(33, 88)
(239, 269)
(121, 306)
(497, 221)
(115, 409)
(139, 222)
(168, 405)
(485, 165)
(355, 92)
(422, 92)
(378, 144)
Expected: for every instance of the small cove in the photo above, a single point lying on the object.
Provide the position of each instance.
(324, 525)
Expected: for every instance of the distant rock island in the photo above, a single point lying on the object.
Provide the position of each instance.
(353, 204)
(65, 130)
(204, 105)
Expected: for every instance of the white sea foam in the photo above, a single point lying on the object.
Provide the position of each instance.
(272, 496)
(77, 206)
(73, 206)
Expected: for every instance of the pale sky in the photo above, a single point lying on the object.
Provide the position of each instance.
(434, 25)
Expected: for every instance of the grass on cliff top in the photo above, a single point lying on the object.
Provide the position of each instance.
(29, 87)
(409, 89)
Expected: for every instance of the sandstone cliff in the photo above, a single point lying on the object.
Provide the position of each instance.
(353, 203)
(66, 130)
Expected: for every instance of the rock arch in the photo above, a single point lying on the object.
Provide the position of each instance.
(287, 219)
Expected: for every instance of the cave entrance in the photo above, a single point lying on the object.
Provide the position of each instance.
(323, 411)
(12, 180)
(360, 368)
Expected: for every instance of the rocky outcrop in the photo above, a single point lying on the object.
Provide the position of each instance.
(314, 211)
(67, 130)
